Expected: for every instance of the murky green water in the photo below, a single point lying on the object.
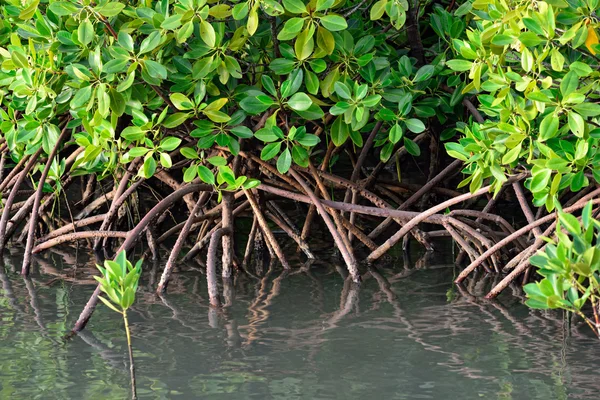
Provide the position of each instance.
(405, 334)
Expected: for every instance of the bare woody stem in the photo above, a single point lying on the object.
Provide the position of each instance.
(12, 195)
(69, 237)
(423, 216)
(38, 199)
(513, 236)
(227, 240)
(351, 263)
(166, 275)
(264, 226)
(211, 266)
(131, 363)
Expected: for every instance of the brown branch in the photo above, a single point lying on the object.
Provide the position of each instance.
(38, 199)
(423, 216)
(164, 279)
(418, 195)
(13, 194)
(227, 240)
(69, 237)
(264, 226)
(523, 265)
(211, 266)
(515, 235)
(351, 263)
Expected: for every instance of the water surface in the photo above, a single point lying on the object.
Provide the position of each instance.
(406, 333)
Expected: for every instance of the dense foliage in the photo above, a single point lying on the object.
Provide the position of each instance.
(190, 88)
(570, 268)
(535, 71)
(184, 77)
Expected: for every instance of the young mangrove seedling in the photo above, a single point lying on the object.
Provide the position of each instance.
(119, 281)
(570, 267)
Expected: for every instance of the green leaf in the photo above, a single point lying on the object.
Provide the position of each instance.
(181, 102)
(457, 151)
(121, 260)
(217, 161)
(548, 127)
(188, 153)
(324, 4)
(149, 167)
(325, 40)
(576, 124)
(580, 68)
(300, 156)
(411, 147)
(424, 73)
(207, 33)
(538, 96)
(125, 40)
(342, 90)
(174, 120)
(114, 66)
(586, 215)
(85, 32)
(281, 66)
(511, 155)
(311, 80)
(170, 143)
(110, 9)
(334, 22)
(251, 183)
(189, 174)
(150, 43)
(386, 152)
(270, 151)
(291, 28)
(299, 102)
(309, 140)
(206, 175)
(395, 133)
(587, 109)
(304, 45)
(340, 108)
(570, 222)
(165, 160)
(378, 9)
(217, 116)
(253, 105)
(569, 83)
(109, 304)
(557, 60)
(240, 11)
(339, 132)
(63, 8)
(155, 69)
(243, 132)
(266, 135)
(138, 151)
(284, 161)
(415, 125)
(540, 180)
(294, 6)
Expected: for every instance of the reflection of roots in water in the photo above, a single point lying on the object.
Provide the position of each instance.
(450, 319)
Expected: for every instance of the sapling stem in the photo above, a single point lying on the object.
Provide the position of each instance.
(130, 349)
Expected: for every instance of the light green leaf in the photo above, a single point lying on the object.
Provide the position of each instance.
(334, 22)
(284, 161)
(300, 102)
